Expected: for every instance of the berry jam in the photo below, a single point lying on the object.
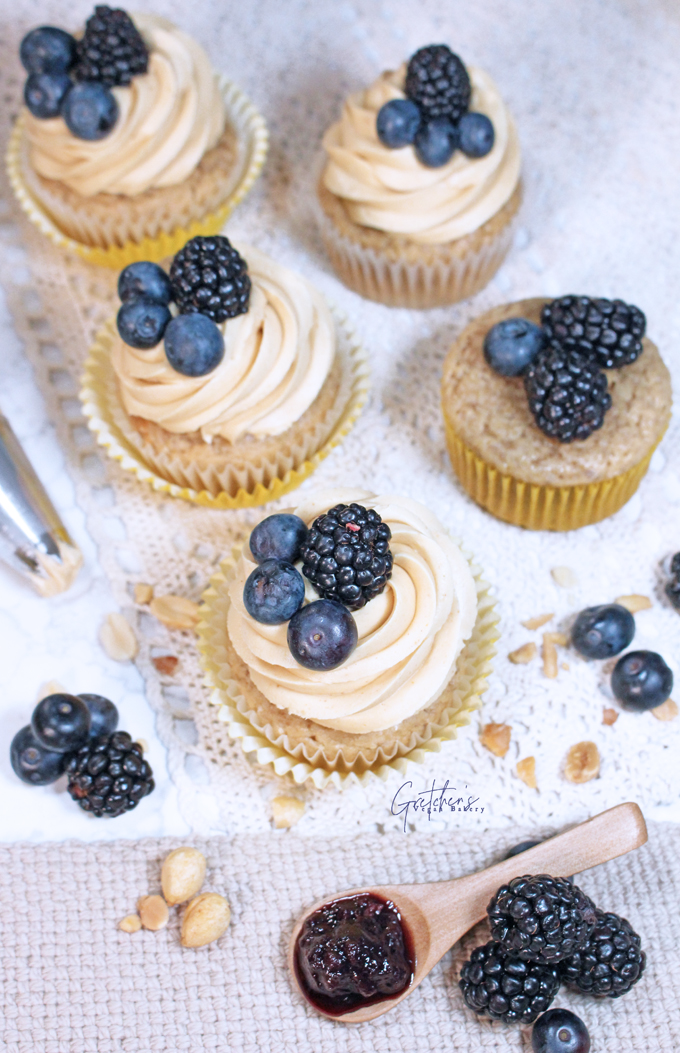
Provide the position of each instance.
(353, 952)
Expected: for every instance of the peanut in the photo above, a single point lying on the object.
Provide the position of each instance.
(166, 664)
(549, 656)
(523, 654)
(526, 771)
(609, 717)
(582, 763)
(634, 603)
(153, 912)
(668, 710)
(205, 920)
(182, 874)
(496, 737)
(131, 923)
(287, 811)
(177, 612)
(538, 621)
(564, 577)
(143, 593)
(118, 639)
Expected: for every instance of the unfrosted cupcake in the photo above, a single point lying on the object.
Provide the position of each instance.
(129, 138)
(421, 183)
(554, 408)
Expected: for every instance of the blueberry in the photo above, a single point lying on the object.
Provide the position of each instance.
(398, 122)
(103, 715)
(278, 537)
(273, 592)
(47, 50)
(144, 281)
(559, 1031)
(322, 635)
(435, 142)
(90, 110)
(510, 346)
(61, 722)
(142, 323)
(194, 345)
(32, 762)
(476, 134)
(44, 93)
(641, 680)
(601, 632)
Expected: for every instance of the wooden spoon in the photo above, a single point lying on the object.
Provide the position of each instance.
(437, 914)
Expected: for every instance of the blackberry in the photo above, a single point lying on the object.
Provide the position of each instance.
(208, 276)
(541, 919)
(497, 983)
(608, 332)
(109, 776)
(673, 586)
(438, 82)
(346, 555)
(567, 394)
(111, 50)
(611, 961)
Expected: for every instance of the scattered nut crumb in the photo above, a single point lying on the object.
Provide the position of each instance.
(183, 874)
(564, 577)
(118, 639)
(496, 737)
(177, 612)
(205, 919)
(558, 638)
(50, 687)
(609, 716)
(132, 923)
(166, 664)
(565, 666)
(549, 656)
(144, 745)
(523, 654)
(287, 811)
(526, 771)
(537, 622)
(668, 710)
(143, 593)
(634, 603)
(582, 763)
(153, 912)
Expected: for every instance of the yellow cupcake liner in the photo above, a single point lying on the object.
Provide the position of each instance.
(542, 507)
(230, 708)
(99, 399)
(253, 139)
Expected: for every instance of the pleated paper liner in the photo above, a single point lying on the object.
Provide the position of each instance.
(101, 405)
(289, 752)
(252, 142)
(397, 277)
(542, 507)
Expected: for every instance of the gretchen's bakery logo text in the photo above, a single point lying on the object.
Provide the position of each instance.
(436, 801)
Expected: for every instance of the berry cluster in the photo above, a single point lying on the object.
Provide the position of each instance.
(673, 586)
(434, 116)
(562, 359)
(76, 735)
(209, 283)
(72, 78)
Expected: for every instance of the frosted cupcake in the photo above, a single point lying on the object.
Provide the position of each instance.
(128, 137)
(554, 408)
(421, 183)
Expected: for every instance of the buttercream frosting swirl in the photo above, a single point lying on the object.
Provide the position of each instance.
(390, 190)
(169, 117)
(409, 637)
(277, 357)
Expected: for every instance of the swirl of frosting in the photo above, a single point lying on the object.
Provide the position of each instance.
(169, 117)
(409, 637)
(276, 358)
(390, 190)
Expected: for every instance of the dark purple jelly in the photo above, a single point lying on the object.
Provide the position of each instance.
(353, 952)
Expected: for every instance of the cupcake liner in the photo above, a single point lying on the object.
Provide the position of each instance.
(305, 760)
(231, 486)
(251, 142)
(542, 507)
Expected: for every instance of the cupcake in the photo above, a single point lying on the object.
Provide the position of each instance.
(228, 377)
(347, 635)
(421, 183)
(554, 408)
(129, 139)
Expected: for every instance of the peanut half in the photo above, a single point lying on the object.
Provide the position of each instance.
(287, 811)
(118, 639)
(526, 771)
(153, 912)
(496, 737)
(177, 612)
(582, 763)
(634, 602)
(182, 874)
(131, 923)
(538, 621)
(668, 710)
(205, 920)
(523, 654)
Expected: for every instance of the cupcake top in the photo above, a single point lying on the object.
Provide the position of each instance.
(427, 190)
(153, 130)
(408, 635)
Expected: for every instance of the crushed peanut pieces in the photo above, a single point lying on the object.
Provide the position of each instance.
(131, 923)
(176, 612)
(523, 654)
(496, 737)
(526, 771)
(668, 710)
(166, 664)
(564, 577)
(118, 639)
(609, 717)
(582, 763)
(287, 811)
(538, 621)
(634, 603)
(142, 593)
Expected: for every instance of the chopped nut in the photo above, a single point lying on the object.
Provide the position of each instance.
(144, 744)
(634, 603)
(177, 612)
(609, 717)
(118, 639)
(538, 621)
(166, 664)
(153, 912)
(132, 923)
(564, 577)
(668, 710)
(50, 687)
(205, 919)
(549, 656)
(183, 874)
(287, 811)
(496, 737)
(523, 654)
(583, 762)
(557, 638)
(143, 593)
(565, 666)
(526, 771)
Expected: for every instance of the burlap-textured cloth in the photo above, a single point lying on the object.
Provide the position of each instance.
(71, 982)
